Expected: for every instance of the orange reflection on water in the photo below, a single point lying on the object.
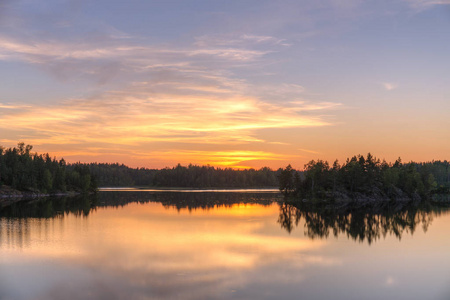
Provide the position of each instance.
(148, 250)
(157, 239)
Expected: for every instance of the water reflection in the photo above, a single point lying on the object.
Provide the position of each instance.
(189, 201)
(214, 246)
(153, 247)
(50, 207)
(361, 224)
(17, 217)
(319, 221)
(82, 205)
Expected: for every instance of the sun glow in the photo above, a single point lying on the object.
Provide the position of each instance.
(120, 125)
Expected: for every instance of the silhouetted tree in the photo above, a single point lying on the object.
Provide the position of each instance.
(368, 176)
(22, 170)
(286, 180)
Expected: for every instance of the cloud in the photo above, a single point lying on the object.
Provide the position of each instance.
(43, 50)
(128, 120)
(308, 151)
(12, 106)
(132, 115)
(234, 40)
(305, 106)
(390, 281)
(389, 86)
(230, 53)
(186, 95)
(122, 59)
(423, 4)
(173, 95)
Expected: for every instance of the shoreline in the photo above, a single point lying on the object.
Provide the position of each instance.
(8, 193)
(37, 195)
(184, 189)
(362, 201)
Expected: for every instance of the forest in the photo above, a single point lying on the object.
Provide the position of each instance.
(192, 176)
(22, 170)
(359, 176)
(367, 177)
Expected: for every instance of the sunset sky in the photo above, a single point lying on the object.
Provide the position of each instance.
(227, 83)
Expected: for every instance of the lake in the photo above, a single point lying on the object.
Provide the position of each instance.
(127, 244)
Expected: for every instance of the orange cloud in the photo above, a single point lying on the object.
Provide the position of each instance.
(118, 120)
(178, 109)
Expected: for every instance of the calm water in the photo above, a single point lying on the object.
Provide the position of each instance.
(178, 245)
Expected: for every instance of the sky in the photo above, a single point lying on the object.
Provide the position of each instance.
(227, 83)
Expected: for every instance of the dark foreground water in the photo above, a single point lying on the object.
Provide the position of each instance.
(240, 245)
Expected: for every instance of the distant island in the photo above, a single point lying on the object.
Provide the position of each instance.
(367, 181)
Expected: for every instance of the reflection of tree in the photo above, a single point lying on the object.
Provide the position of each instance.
(82, 205)
(14, 234)
(288, 216)
(187, 200)
(362, 224)
(16, 217)
(50, 207)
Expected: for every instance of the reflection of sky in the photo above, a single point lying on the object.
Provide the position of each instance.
(146, 251)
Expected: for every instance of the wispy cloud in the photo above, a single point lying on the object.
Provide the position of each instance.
(184, 100)
(12, 106)
(229, 53)
(112, 57)
(137, 117)
(422, 4)
(389, 86)
(242, 40)
(307, 106)
(309, 151)
(158, 117)
(110, 47)
(187, 95)
(390, 281)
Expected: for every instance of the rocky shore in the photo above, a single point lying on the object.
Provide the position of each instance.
(8, 193)
(374, 199)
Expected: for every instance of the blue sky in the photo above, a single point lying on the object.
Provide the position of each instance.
(229, 83)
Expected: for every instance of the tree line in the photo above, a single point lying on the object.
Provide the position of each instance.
(368, 176)
(192, 176)
(26, 171)
(23, 170)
